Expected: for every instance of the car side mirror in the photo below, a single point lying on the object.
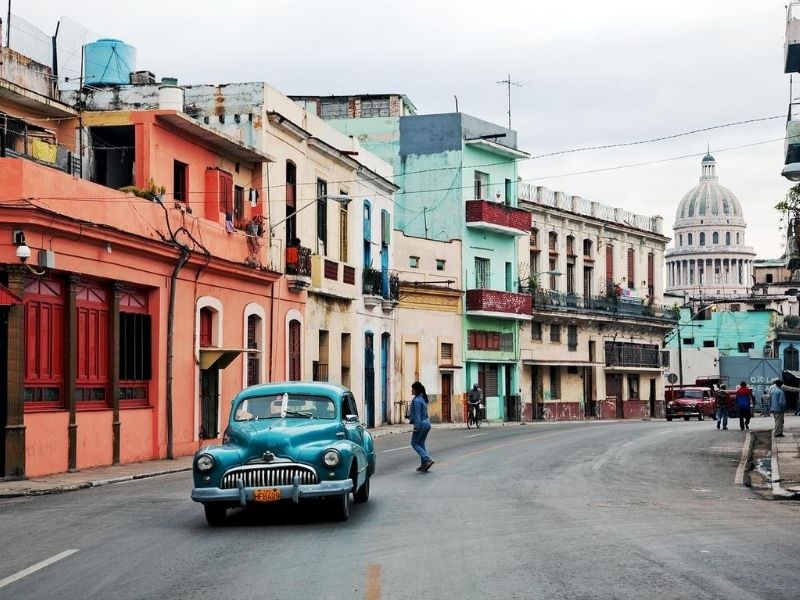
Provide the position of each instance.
(351, 419)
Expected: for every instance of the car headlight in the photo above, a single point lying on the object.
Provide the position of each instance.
(204, 462)
(331, 458)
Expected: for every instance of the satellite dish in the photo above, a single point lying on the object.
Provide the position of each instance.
(672, 378)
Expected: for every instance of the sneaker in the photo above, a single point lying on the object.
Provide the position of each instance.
(421, 468)
(717, 424)
(426, 466)
(747, 426)
(777, 435)
(725, 428)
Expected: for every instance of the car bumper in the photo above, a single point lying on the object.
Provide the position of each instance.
(245, 495)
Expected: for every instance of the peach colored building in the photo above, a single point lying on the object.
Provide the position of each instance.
(139, 314)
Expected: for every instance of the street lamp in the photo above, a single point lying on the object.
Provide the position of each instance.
(341, 198)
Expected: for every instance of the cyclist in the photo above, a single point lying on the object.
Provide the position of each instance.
(474, 399)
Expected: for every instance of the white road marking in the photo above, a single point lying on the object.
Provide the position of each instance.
(628, 443)
(475, 435)
(36, 567)
(395, 449)
(739, 480)
(666, 431)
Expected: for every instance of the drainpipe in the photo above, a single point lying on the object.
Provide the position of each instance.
(184, 258)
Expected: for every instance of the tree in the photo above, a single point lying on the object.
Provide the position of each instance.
(790, 206)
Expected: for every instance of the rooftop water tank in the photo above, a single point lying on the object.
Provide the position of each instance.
(108, 62)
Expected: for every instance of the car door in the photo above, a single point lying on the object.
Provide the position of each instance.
(354, 429)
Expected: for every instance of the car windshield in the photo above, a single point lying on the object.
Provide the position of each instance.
(279, 406)
(692, 394)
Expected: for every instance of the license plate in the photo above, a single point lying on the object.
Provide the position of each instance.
(266, 495)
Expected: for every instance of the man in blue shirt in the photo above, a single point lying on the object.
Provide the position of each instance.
(777, 401)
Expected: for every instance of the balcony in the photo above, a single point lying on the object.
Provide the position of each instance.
(791, 169)
(332, 278)
(634, 308)
(622, 355)
(298, 268)
(34, 143)
(379, 289)
(497, 303)
(493, 216)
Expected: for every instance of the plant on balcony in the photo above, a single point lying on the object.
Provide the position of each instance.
(151, 192)
(372, 281)
(530, 284)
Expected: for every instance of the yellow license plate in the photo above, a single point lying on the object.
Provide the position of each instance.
(267, 495)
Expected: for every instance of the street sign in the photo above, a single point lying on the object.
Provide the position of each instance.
(672, 378)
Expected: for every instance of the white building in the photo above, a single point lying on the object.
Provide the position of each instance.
(709, 257)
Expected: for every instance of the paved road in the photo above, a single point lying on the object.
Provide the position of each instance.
(587, 510)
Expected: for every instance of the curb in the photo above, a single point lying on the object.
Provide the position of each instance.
(777, 489)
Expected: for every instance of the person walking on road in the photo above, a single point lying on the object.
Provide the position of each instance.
(419, 419)
(723, 402)
(777, 401)
(744, 404)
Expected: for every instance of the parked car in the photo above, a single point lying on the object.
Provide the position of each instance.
(688, 402)
(289, 441)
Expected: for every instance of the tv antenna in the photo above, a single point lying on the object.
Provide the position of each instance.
(509, 82)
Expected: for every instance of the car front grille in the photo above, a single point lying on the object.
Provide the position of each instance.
(268, 475)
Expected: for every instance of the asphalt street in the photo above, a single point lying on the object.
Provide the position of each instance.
(571, 510)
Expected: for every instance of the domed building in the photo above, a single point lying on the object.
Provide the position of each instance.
(709, 257)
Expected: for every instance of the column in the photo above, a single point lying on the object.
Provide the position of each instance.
(70, 308)
(113, 367)
(15, 416)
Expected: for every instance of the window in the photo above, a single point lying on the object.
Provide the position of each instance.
(570, 278)
(291, 201)
(482, 273)
(440, 264)
(483, 340)
(689, 239)
(587, 248)
(367, 233)
(534, 258)
(715, 238)
(708, 343)
(688, 341)
(536, 331)
(552, 241)
(735, 307)
(633, 387)
(135, 348)
(374, 107)
(555, 333)
(552, 264)
(572, 338)
(487, 379)
(509, 191)
(570, 245)
(631, 263)
(253, 357)
(91, 350)
(745, 346)
(320, 367)
(481, 185)
(238, 202)
(506, 342)
(179, 183)
(680, 239)
(225, 193)
(446, 353)
(769, 278)
(345, 353)
(791, 359)
(727, 238)
(609, 265)
(555, 383)
(737, 238)
(413, 262)
(509, 277)
(651, 274)
(534, 238)
(343, 239)
(294, 364)
(322, 216)
(334, 109)
(702, 238)
(44, 322)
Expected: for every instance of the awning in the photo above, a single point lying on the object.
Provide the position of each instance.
(220, 357)
(560, 363)
(7, 297)
(795, 374)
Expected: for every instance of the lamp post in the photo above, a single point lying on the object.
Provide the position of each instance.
(341, 198)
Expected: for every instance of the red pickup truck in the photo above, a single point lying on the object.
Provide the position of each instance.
(688, 402)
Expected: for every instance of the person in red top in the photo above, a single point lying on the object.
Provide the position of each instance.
(744, 403)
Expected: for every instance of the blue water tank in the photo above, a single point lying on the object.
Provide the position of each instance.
(108, 62)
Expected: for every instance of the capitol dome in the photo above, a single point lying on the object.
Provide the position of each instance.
(709, 200)
(709, 256)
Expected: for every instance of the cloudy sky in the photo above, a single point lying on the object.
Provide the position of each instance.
(590, 73)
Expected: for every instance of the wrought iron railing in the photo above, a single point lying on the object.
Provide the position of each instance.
(298, 261)
(551, 300)
(372, 284)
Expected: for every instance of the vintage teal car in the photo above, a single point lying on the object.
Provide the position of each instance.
(287, 441)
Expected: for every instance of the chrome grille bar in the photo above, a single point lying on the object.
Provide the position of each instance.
(268, 475)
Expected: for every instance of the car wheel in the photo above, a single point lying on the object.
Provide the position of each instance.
(215, 514)
(700, 416)
(340, 507)
(686, 417)
(362, 495)
(669, 417)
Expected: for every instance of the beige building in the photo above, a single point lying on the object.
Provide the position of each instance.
(593, 348)
(429, 325)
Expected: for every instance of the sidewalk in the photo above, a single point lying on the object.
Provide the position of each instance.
(785, 466)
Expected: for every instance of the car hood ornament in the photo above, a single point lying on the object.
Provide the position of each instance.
(268, 456)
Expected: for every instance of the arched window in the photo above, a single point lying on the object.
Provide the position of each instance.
(702, 238)
(715, 238)
(688, 239)
(253, 343)
(552, 241)
(295, 371)
(727, 238)
(791, 360)
(680, 240)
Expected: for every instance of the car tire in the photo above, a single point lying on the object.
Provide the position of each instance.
(215, 514)
(339, 507)
(362, 495)
(700, 416)
(669, 417)
(686, 417)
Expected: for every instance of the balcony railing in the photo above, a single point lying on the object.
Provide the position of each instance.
(497, 217)
(373, 284)
(298, 261)
(550, 300)
(23, 140)
(632, 356)
(497, 301)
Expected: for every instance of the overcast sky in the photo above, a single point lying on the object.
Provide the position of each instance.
(590, 73)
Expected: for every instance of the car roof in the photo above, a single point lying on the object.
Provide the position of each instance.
(320, 388)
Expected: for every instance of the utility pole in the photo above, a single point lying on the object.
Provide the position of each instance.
(8, 26)
(508, 82)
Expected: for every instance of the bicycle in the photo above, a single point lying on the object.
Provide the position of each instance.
(473, 416)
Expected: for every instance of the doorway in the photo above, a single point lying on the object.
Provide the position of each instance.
(369, 379)
(614, 389)
(447, 397)
(3, 386)
(209, 403)
(385, 345)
